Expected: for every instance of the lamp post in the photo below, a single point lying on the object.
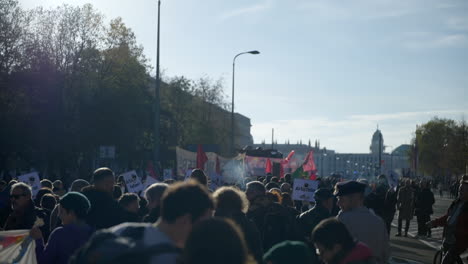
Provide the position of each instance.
(253, 52)
(157, 101)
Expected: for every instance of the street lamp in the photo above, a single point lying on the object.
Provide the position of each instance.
(253, 52)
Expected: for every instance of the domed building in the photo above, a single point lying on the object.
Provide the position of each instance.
(377, 139)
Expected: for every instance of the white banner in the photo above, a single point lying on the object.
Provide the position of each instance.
(187, 160)
(133, 182)
(303, 190)
(32, 179)
(16, 246)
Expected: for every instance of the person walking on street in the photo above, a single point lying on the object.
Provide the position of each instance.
(423, 208)
(405, 206)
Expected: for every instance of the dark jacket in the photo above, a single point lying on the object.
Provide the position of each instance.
(105, 211)
(251, 233)
(272, 220)
(423, 202)
(308, 220)
(153, 215)
(461, 228)
(63, 242)
(26, 219)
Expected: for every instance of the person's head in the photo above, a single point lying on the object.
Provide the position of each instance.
(230, 200)
(277, 193)
(350, 194)
(103, 180)
(286, 188)
(255, 189)
(130, 202)
(73, 207)
(199, 176)
(288, 252)
(286, 200)
(271, 185)
(274, 179)
(331, 238)
(48, 201)
(154, 193)
(463, 189)
(58, 184)
(324, 198)
(183, 205)
(78, 184)
(20, 196)
(45, 183)
(40, 194)
(215, 241)
(117, 192)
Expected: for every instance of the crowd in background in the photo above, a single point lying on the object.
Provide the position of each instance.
(186, 222)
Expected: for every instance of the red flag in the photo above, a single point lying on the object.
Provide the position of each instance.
(201, 157)
(288, 158)
(150, 170)
(268, 168)
(309, 164)
(218, 166)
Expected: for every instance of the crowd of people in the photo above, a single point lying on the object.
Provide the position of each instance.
(186, 222)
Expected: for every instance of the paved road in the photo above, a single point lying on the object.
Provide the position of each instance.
(414, 249)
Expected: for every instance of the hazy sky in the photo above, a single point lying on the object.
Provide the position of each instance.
(328, 69)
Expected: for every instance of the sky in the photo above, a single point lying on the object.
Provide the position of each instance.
(331, 70)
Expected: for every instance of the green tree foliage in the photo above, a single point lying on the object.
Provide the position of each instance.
(70, 82)
(442, 147)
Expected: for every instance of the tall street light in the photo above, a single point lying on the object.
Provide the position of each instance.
(157, 116)
(254, 52)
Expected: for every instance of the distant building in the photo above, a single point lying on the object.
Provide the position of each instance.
(350, 164)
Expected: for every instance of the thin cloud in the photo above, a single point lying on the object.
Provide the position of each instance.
(246, 10)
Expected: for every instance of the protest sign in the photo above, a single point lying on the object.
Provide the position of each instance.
(16, 246)
(133, 182)
(32, 179)
(167, 174)
(303, 190)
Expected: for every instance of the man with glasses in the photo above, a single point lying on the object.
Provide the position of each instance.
(24, 212)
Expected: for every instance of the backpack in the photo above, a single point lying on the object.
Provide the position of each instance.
(105, 247)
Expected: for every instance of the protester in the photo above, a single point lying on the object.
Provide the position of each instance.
(286, 188)
(183, 205)
(390, 208)
(405, 205)
(308, 220)
(24, 213)
(64, 241)
(423, 208)
(199, 176)
(455, 221)
(364, 225)
(335, 244)
(48, 202)
(105, 211)
(45, 183)
(43, 191)
(153, 195)
(272, 220)
(232, 203)
(131, 205)
(289, 252)
(78, 184)
(58, 188)
(216, 241)
(288, 203)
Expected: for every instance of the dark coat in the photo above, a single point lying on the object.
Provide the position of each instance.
(26, 219)
(308, 220)
(105, 211)
(251, 233)
(461, 229)
(423, 202)
(153, 215)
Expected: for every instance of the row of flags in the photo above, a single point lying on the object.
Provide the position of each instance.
(307, 170)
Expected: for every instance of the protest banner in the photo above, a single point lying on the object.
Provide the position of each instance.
(32, 179)
(133, 182)
(16, 246)
(187, 160)
(303, 190)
